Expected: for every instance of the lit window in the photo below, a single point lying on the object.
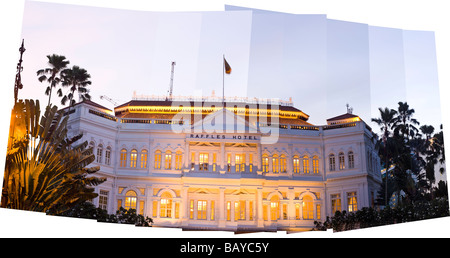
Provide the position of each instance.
(158, 159)
(250, 210)
(341, 161)
(192, 160)
(352, 202)
(203, 161)
(177, 210)
(239, 210)
(228, 162)
(240, 162)
(275, 208)
(308, 211)
(275, 163)
(305, 164)
(212, 211)
(201, 209)
(133, 159)
(165, 206)
(191, 210)
(99, 153)
(297, 211)
(103, 199)
(168, 160)
(123, 158)
(250, 163)
(214, 162)
(141, 207)
(332, 162)
(108, 156)
(283, 163)
(265, 163)
(144, 159)
(178, 160)
(335, 203)
(130, 200)
(315, 165)
(296, 163)
(228, 210)
(318, 214)
(351, 160)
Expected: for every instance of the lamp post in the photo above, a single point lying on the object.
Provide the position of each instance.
(18, 83)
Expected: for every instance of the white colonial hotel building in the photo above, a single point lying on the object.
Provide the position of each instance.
(255, 165)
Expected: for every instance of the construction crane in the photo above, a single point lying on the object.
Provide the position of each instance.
(171, 80)
(109, 99)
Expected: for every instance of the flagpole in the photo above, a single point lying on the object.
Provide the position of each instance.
(223, 81)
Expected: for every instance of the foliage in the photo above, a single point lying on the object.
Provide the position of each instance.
(410, 156)
(123, 216)
(44, 170)
(370, 217)
(77, 79)
(52, 74)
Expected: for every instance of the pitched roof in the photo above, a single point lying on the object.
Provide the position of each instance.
(341, 117)
(91, 103)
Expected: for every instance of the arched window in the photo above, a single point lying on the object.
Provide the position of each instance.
(308, 209)
(296, 163)
(332, 160)
(158, 159)
(275, 163)
(265, 163)
(144, 155)
(283, 163)
(168, 160)
(316, 165)
(165, 207)
(351, 159)
(99, 153)
(130, 200)
(341, 161)
(123, 158)
(133, 158)
(305, 164)
(108, 156)
(274, 208)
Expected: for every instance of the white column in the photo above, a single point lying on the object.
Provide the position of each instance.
(184, 205)
(222, 215)
(259, 207)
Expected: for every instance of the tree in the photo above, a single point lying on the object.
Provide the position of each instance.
(386, 121)
(44, 172)
(77, 79)
(52, 74)
(404, 123)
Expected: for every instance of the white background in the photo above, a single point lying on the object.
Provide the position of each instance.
(430, 15)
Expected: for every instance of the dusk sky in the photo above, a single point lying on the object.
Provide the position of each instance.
(321, 63)
(130, 48)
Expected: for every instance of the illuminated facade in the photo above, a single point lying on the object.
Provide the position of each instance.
(244, 166)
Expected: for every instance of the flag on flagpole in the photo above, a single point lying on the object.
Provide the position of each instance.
(227, 66)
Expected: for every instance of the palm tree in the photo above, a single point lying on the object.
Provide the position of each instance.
(404, 122)
(52, 74)
(77, 79)
(43, 172)
(386, 122)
